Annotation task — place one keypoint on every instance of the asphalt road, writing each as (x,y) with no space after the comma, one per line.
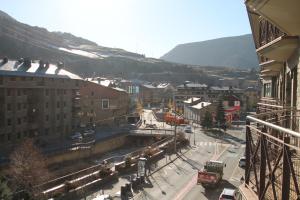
(178,179)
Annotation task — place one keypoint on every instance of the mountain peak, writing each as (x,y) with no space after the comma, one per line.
(234,51)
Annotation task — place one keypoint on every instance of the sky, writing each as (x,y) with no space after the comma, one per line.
(150,27)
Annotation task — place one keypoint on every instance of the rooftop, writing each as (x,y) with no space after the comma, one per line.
(201,105)
(191,100)
(34,68)
(192,85)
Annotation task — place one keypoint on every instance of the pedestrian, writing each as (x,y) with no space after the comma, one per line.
(144,121)
(242,179)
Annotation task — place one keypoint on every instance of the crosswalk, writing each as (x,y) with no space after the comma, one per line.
(212,144)
(219,144)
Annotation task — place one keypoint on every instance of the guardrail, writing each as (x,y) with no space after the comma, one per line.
(273,154)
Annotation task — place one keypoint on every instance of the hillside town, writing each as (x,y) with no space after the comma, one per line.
(214,120)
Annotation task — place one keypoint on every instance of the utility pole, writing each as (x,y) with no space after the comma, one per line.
(175,133)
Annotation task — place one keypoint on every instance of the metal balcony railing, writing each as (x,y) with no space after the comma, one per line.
(268,32)
(273,152)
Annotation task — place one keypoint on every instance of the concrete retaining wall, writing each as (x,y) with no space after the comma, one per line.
(99,148)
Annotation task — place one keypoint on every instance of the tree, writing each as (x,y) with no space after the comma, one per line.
(5,192)
(207,121)
(139,107)
(28,168)
(220,117)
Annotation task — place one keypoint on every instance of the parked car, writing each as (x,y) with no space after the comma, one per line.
(76,136)
(88,133)
(242,161)
(228,194)
(188,129)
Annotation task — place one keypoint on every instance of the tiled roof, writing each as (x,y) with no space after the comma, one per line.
(16,68)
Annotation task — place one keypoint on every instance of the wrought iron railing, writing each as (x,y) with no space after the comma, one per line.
(268,32)
(273,153)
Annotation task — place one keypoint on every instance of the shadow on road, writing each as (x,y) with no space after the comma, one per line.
(194,164)
(224,136)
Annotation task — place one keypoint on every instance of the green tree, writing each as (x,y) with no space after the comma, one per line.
(5,192)
(207,121)
(220,117)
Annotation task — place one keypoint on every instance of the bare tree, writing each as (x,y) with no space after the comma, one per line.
(28,168)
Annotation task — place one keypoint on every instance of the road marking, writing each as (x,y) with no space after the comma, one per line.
(182,193)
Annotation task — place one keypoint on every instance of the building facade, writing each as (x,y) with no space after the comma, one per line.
(38,100)
(272,135)
(102,105)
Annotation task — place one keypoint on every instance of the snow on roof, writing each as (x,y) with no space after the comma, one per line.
(192,85)
(149,86)
(191,100)
(201,105)
(79,52)
(162,85)
(16,68)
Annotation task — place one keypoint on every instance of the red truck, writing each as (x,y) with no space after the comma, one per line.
(211,174)
(172,119)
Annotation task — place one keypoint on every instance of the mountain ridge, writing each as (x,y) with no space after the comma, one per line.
(233,51)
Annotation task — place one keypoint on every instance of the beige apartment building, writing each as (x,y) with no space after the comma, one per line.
(37,99)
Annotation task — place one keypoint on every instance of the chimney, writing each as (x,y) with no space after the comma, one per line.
(27,62)
(41,64)
(4,60)
(202,104)
(47,64)
(60,65)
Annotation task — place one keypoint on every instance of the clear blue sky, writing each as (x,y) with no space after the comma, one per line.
(151,27)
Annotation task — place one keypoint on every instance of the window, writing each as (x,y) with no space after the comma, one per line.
(19,92)
(65,116)
(57,104)
(8,122)
(23,78)
(24,91)
(8,92)
(12,78)
(92,102)
(65,104)
(18,135)
(19,121)
(267,90)
(105,104)
(57,117)
(47,131)
(47,117)
(47,105)
(65,92)
(92,93)
(24,105)
(47,92)
(24,119)
(19,106)
(8,107)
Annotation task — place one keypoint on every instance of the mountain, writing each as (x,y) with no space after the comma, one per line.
(87,59)
(79,55)
(237,51)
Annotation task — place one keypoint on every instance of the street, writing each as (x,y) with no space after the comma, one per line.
(178,179)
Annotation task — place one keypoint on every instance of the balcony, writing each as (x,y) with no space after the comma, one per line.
(279,49)
(273,151)
(271,65)
(284,14)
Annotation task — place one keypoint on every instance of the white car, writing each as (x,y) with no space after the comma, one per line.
(242,161)
(188,129)
(76,136)
(228,194)
(88,132)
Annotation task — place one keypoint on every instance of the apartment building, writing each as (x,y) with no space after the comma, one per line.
(102,105)
(159,95)
(204,93)
(37,99)
(272,135)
